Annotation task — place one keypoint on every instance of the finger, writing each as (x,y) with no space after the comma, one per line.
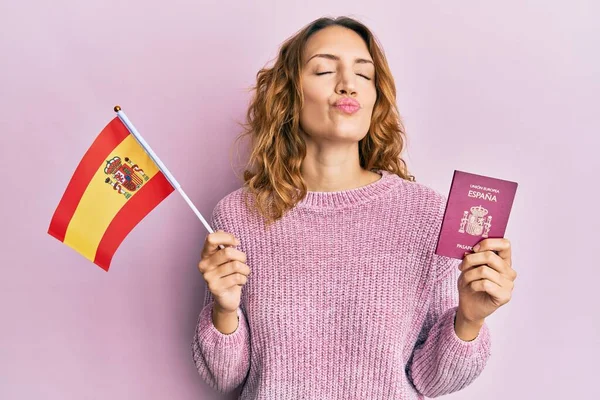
(213,240)
(501,295)
(224,270)
(230,281)
(221,257)
(481,272)
(226,255)
(488,258)
(501,246)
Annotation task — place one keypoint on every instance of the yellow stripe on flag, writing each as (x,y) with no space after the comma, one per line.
(101,202)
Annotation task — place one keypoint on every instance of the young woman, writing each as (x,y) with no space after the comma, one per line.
(346,299)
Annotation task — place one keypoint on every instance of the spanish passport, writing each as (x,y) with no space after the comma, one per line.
(477,208)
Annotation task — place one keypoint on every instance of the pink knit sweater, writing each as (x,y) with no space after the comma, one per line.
(346,300)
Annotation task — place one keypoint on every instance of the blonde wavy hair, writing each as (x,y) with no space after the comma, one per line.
(272,173)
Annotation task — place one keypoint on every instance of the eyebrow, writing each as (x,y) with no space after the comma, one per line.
(336,58)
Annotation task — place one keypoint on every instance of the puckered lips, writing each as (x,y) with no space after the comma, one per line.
(347,105)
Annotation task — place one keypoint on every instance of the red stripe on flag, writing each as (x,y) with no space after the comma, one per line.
(150,195)
(110,137)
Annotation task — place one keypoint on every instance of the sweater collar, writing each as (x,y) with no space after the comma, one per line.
(350,197)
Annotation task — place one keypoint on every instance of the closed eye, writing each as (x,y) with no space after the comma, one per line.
(331,72)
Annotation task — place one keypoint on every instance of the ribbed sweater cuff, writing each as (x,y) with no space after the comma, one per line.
(447,363)
(222,360)
(479,346)
(208,333)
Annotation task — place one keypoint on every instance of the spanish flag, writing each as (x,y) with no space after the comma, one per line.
(115,185)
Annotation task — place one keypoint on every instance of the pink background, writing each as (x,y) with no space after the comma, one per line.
(506,89)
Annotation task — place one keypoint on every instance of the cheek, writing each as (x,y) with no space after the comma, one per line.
(316,105)
(314,96)
(371,95)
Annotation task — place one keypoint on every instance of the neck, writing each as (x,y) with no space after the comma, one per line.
(332,179)
(340,170)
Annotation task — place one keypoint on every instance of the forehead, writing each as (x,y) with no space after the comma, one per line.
(336,40)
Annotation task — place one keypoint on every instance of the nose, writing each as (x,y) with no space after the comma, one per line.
(346,84)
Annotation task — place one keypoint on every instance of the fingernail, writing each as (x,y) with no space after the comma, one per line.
(476,248)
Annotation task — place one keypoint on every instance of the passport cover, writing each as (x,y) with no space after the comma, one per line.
(477,208)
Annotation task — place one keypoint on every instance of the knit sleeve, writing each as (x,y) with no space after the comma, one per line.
(222,360)
(441,362)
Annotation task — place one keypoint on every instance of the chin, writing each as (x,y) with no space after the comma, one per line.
(350,132)
(349,136)
(342,133)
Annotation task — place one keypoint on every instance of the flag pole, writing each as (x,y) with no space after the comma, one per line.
(160,165)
